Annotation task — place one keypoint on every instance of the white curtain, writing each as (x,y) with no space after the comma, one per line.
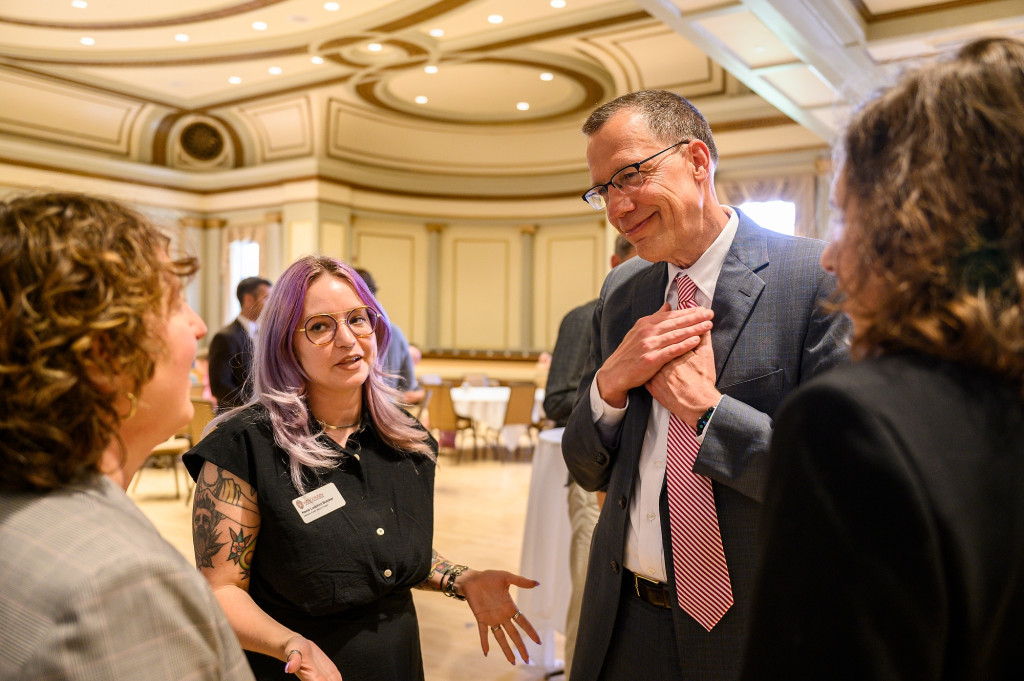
(246,231)
(799,189)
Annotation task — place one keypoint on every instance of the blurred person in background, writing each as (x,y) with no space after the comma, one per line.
(96,347)
(230,352)
(399,362)
(894,521)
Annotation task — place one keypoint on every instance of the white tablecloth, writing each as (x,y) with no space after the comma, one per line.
(546,548)
(486,405)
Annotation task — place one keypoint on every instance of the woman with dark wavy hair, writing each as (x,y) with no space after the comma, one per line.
(96,349)
(893,534)
(333,482)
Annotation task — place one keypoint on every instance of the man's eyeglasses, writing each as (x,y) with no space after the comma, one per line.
(626,180)
(321,328)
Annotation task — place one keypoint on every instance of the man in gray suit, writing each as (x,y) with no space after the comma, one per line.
(721,368)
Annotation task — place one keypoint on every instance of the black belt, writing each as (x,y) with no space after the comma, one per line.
(648,590)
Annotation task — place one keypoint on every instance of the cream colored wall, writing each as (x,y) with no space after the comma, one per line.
(480,287)
(569,272)
(395,253)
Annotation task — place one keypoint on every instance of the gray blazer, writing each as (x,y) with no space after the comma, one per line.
(90,591)
(770,335)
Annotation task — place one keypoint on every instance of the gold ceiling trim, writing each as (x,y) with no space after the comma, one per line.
(435,10)
(221,13)
(870,18)
(592,89)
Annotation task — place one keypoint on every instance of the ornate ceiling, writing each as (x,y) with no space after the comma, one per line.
(445,98)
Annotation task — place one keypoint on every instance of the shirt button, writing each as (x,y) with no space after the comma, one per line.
(387,573)
(658,463)
(650,516)
(380,531)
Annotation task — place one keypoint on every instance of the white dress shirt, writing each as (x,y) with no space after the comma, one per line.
(645,553)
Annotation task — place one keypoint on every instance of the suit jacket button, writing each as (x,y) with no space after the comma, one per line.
(622,501)
(615,567)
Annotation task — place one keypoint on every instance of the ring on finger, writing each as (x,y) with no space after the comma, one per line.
(496,628)
(516,616)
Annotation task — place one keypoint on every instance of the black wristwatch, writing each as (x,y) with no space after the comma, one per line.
(702,422)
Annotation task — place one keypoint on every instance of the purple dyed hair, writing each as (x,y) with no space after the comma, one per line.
(280,383)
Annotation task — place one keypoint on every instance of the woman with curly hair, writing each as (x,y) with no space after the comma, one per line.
(96,347)
(893,534)
(313,513)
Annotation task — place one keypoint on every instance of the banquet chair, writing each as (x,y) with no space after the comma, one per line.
(168,454)
(202,415)
(477,379)
(519,412)
(418,409)
(447,424)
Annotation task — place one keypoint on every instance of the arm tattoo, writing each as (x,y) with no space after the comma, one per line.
(209,518)
(438,564)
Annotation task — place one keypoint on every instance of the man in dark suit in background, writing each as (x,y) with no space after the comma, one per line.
(231,349)
(751,329)
(567,364)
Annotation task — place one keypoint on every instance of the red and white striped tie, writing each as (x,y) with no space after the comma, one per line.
(702,576)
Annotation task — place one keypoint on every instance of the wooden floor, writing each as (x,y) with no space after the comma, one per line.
(479,512)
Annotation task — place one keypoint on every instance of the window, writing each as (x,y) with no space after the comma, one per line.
(244,259)
(779,216)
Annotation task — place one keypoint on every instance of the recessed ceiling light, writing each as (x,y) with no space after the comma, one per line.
(421,99)
(181,37)
(234,80)
(547,76)
(274,70)
(495,18)
(558,4)
(259,25)
(317,60)
(375,47)
(88,41)
(79,4)
(523,106)
(436,32)
(430,68)
(332,6)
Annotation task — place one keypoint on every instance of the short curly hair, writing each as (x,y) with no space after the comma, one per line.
(81,281)
(932,173)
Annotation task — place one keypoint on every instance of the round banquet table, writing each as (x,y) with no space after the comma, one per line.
(546,539)
(486,405)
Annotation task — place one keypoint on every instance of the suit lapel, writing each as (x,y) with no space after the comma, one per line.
(738,288)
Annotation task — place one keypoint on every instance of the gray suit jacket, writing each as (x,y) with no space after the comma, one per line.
(568,362)
(769,336)
(91,591)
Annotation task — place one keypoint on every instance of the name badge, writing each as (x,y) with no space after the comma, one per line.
(318,503)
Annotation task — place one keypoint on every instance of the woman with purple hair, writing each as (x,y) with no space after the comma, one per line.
(332,482)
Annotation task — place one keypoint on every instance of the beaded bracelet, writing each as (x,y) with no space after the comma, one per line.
(448,587)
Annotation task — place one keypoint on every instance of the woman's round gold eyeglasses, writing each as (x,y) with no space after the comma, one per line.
(321,328)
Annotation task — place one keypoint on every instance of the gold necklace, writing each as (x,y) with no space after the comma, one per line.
(327,426)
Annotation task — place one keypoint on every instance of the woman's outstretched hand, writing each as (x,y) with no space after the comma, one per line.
(486,591)
(305,659)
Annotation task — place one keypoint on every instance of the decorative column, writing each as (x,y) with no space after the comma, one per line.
(527,234)
(822,208)
(274,246)
(434,230)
